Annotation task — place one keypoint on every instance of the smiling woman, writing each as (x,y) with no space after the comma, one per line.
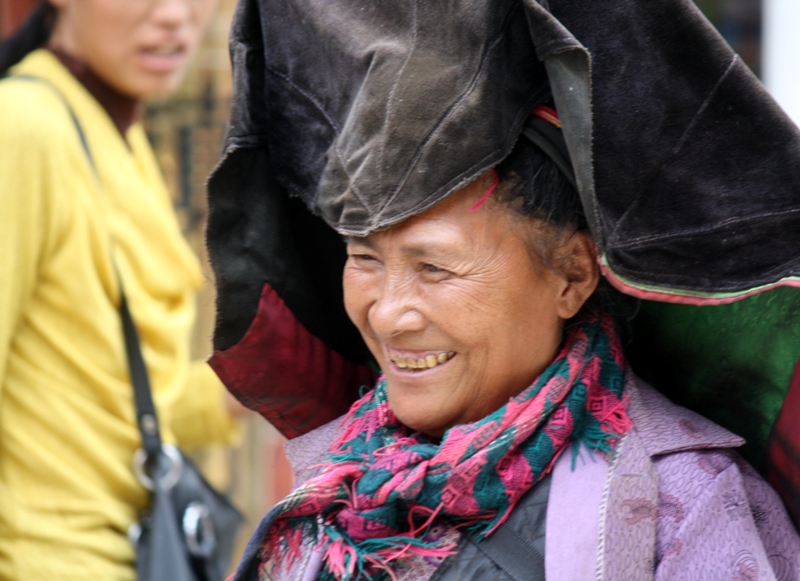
(487,161)
(468,288)
(465,308)
(501,366)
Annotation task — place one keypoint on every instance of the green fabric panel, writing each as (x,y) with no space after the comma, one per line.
(731,363)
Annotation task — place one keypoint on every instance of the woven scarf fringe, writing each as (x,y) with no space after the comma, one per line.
(602,437)
(347,560)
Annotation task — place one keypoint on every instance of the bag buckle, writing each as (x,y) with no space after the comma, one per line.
(198,529)
(168,477)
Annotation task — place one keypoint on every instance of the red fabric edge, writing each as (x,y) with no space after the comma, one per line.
(286,374)
(782,460)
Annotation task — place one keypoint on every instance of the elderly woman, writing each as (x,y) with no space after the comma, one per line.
(506,438)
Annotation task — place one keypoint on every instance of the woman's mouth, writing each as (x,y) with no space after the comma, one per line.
(429,361)
(163,57)
(166,50)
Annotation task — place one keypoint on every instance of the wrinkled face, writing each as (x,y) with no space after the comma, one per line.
(460,315)
(139,47)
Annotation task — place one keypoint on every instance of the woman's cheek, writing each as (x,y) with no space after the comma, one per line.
(460,296)
(358,286)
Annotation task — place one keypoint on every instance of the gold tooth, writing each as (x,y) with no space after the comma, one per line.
(431,361)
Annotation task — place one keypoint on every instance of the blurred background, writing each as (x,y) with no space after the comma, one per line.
(187,131)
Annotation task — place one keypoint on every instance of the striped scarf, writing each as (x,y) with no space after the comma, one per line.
(383,485)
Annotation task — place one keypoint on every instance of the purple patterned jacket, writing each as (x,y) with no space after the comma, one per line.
(676,502)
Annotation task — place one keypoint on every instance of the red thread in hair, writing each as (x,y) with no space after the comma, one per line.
(488,192)
(548,114)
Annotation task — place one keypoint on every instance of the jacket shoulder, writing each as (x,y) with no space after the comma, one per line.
(665,427)
(306,452)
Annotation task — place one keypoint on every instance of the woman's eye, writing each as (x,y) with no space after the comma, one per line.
(432,268)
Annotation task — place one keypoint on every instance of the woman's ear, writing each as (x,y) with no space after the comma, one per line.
(577,265)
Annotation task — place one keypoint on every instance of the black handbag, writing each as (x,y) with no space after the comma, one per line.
(188,532)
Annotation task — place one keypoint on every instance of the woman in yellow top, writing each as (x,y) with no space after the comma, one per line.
(67,430)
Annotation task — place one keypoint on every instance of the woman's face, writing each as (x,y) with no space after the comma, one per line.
(139,47)
(460,315)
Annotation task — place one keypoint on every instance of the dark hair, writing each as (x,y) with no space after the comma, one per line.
(534,185)
(535,188)
(32,34)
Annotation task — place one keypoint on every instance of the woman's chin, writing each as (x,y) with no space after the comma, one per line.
(419,410)
(426,400)
(141,84)
(420,422)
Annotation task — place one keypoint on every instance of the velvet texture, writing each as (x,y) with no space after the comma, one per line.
(687,170)
(695,167)
(372,113)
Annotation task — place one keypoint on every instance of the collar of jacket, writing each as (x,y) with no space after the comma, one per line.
(660,427)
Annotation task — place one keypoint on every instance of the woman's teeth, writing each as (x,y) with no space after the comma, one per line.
(168,50)
(427,362)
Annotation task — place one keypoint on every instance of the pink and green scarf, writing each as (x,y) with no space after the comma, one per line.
(384,485)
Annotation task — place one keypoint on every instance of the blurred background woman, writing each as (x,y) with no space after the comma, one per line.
(84,208)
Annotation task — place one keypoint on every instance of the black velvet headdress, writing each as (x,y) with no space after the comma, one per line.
(349,116)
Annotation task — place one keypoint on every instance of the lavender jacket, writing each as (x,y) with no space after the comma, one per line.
(675,502)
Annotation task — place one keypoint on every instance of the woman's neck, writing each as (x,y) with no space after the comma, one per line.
(123,110)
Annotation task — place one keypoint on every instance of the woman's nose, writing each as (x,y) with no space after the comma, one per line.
(397,309)
(172,13)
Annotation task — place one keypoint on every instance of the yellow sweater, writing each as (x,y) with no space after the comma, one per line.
(67,429)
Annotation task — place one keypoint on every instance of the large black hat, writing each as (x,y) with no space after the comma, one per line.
(352,115)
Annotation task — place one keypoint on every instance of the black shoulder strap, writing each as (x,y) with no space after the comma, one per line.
(518,558)
(511,547)
(146,416)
